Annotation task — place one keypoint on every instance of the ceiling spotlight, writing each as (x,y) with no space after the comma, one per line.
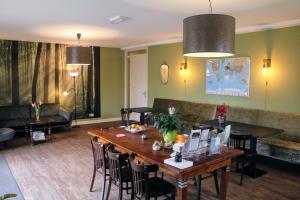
(118,19)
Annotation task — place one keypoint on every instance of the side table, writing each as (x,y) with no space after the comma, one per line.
(44,123)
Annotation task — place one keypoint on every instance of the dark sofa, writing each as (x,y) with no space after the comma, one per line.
(15,116)
(285,146)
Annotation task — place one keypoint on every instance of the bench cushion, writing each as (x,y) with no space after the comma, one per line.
(6,134)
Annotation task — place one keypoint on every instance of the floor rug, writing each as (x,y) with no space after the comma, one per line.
(8,183)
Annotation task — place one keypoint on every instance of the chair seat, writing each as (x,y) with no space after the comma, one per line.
(158,187)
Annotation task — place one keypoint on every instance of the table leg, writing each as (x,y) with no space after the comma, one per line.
(142,118)
(27,133)
(224,182)
(252,161)
(31,134)
(181,189)
(49,132)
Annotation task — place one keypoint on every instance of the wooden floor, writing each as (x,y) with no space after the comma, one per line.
(63,169)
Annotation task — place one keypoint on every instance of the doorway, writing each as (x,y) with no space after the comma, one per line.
(138,80)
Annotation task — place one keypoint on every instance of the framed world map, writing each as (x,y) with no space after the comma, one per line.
(228,76)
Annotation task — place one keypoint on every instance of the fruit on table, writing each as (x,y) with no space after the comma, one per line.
(181,138)
(136,127)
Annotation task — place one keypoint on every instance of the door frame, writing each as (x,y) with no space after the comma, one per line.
(127,54)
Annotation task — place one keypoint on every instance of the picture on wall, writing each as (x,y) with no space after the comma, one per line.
(35,71)
(228,76)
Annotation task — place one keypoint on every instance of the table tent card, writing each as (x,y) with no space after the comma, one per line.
(197,143)
(214,147)
(224,136)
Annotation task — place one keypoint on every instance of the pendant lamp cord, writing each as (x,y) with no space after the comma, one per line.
(210,7)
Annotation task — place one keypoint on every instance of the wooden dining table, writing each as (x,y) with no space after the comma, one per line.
(133,143)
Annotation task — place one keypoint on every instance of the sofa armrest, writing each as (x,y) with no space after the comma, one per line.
(67,115)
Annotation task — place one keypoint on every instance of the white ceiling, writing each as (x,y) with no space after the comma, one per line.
(150,20)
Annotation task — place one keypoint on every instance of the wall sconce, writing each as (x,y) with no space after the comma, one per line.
(266,65)
(183,69)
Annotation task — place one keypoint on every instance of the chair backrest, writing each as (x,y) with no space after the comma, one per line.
(116,161)
(140,175)
(99,154)
(125,115)
(240,141)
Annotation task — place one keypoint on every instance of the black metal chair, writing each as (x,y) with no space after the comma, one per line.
(199,179)
(100,163)
(119,171)
(144,186)
(242,142)
(125,117)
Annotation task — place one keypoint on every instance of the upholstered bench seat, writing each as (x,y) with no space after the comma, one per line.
(6,134)
(283,146)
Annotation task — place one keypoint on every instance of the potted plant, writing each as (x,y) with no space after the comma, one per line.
(168,124)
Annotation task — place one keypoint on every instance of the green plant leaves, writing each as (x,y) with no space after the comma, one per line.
(7,196)
(166,122)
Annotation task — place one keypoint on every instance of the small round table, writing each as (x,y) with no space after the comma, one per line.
(43,122)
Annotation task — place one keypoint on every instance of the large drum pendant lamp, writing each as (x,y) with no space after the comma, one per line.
(209,35)
(78,55)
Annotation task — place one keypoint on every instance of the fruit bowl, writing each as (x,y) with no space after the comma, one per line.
(135,128)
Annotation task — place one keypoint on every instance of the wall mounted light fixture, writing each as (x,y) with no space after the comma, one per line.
(183,69)
(266,67)
(184,73)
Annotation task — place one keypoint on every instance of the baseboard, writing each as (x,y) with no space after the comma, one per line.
(95,120)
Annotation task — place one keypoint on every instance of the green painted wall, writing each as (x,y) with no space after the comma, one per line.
(281,45)
(112,81)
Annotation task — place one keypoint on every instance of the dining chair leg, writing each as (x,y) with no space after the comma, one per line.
(242,170)
(162,175)
(237,163)
(215,173)
(102,194)
(132,194)
(108,189)
(173,195)
(93,179)
(120,191)
(198,182)
(127,191)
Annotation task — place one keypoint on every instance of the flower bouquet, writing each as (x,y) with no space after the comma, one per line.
(37,109)
(221,113)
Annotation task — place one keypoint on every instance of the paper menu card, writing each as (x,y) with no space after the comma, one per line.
(180,165)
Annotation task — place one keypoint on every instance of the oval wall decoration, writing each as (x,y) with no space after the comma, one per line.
(164,73)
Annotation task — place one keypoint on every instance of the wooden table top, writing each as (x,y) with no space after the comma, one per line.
(42,121)
(132,142)
(141,109)
(238,128)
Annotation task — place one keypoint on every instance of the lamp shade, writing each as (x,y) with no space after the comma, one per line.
(208,35)
(78,55)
